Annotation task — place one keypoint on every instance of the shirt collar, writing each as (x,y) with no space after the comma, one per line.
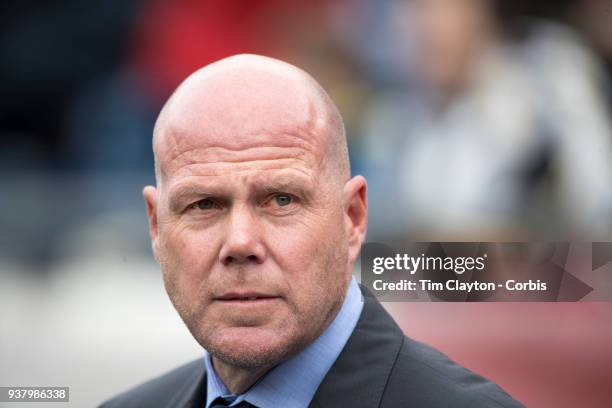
(295,381)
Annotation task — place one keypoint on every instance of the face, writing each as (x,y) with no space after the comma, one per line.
(255,239)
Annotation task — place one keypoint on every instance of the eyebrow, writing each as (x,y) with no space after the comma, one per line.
(271,186)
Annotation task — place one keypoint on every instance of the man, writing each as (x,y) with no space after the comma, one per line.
(256,224)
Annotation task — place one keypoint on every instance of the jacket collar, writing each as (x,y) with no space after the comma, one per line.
(359,375)
(193,393)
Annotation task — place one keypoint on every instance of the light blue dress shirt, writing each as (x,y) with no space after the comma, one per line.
(293,383)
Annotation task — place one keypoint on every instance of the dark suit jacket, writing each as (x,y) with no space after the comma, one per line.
(378,367)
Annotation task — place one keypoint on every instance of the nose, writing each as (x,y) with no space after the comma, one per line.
(242,243)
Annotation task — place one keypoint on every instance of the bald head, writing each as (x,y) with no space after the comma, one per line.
(249,101)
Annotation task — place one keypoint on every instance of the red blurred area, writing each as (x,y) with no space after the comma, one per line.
(543,354)
(173,39)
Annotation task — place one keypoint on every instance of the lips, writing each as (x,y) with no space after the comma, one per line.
(244,297)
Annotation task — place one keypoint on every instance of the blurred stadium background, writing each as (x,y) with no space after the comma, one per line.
(471,119)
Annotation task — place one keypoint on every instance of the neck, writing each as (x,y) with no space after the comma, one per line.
(237,379)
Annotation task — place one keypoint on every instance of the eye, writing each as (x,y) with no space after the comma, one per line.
(283,200)
(204,204)
(281,203)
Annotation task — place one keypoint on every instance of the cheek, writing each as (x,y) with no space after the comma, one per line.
(305,251)
(185,257)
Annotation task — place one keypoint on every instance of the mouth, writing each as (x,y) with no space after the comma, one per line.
(249,297)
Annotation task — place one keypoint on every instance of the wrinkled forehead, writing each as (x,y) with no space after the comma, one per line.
(237,109)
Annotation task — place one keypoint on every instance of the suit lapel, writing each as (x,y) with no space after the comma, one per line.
(193,393)
(359,375)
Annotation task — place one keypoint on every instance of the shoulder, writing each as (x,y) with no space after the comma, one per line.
(165,390)
(425,376)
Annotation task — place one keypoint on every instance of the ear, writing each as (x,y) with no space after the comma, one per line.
(355,214)
(150,196)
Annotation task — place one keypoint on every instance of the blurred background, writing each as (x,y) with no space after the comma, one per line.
(473,120)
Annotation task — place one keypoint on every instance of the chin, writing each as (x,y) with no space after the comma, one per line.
(251,347)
